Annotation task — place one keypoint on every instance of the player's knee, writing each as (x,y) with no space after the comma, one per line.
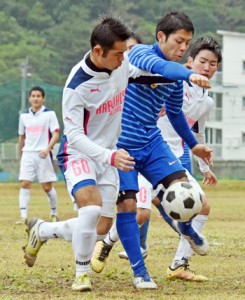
(126,201)
(205,206)
(143,215)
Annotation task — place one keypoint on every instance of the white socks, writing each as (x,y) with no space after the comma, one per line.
(84,237)
(24,199)
(112,236)
(51,230)
(52,199)
(184,249)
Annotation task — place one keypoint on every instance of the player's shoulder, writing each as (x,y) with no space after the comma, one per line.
(140,49)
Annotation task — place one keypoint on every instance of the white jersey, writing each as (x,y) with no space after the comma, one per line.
(92,108)
(196,106)
(37,128)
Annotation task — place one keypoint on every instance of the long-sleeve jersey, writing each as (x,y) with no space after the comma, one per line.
(92,107)
(37,128)
(144,102)
(196,106)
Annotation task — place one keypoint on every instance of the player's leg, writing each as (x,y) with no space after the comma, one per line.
(46,175)
(128,229)
(172,173)
(179,269)
(26,177)
(143,197)
(104,247)
(106,235)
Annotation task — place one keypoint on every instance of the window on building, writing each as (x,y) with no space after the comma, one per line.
(218,136)
(243,138)
(243,102)
(213,136)
(218,100)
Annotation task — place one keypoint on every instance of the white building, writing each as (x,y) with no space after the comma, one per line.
(225,129)
(226,125)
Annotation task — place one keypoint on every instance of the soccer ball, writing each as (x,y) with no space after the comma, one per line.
(181,201)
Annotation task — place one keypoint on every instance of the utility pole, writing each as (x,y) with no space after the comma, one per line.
(24,70)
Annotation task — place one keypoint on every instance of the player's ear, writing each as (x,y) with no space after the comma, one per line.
(189,60)
(97,50)
(161,37)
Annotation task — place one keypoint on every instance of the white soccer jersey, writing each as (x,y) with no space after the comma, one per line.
(37,128)
(196,107)
(92,108)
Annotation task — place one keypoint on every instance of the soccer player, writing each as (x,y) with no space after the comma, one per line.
(142,138)
(38,133)
(92,108)
(204,58)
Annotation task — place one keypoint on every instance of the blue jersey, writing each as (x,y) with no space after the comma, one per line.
(144,102)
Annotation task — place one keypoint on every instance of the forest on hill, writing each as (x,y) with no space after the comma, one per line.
(51,36)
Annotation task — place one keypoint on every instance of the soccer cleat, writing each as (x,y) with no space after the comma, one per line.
(101,252)
(22,221)
(124,255)
(82,283)
(54,218)
(183,272)
(144,281)
(33,241)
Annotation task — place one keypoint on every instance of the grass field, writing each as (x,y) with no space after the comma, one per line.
(53,273)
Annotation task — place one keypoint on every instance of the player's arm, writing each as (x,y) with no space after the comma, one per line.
(74,118)
(176,117)
(146,59)
(22,136)
(21,144)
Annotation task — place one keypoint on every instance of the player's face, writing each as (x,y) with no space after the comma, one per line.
(112,59)
(176,45)
(130,43)
(36,99)
(205,63)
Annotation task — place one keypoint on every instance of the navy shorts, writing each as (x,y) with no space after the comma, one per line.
(155,162)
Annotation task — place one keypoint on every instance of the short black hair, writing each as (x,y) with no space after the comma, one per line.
(174,21)
(109,31)
(206,43)
(136,37)
(37,88)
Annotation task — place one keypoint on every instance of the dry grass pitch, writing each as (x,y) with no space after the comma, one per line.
(53,273)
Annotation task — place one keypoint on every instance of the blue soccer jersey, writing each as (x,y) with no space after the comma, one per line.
(144,102)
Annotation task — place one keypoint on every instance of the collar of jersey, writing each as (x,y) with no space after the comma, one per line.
(158,51)
(37,112)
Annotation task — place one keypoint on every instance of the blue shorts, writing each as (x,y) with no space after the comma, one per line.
(154,162)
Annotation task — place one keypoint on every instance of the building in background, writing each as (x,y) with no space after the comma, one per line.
(225,129)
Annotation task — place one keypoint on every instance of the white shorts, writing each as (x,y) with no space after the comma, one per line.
(146,193)
(32,165)
(105,176)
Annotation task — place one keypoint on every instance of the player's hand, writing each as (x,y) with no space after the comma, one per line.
(123,160)
(209,178)
(204,153)
(200,80)
(43,153)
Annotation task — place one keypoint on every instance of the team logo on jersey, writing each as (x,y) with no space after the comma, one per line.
(154,86)
(95,90)
(113,105)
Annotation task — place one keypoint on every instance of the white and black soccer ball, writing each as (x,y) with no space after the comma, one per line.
(181,201)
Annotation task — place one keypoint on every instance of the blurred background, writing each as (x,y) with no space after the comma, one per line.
(42,40)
